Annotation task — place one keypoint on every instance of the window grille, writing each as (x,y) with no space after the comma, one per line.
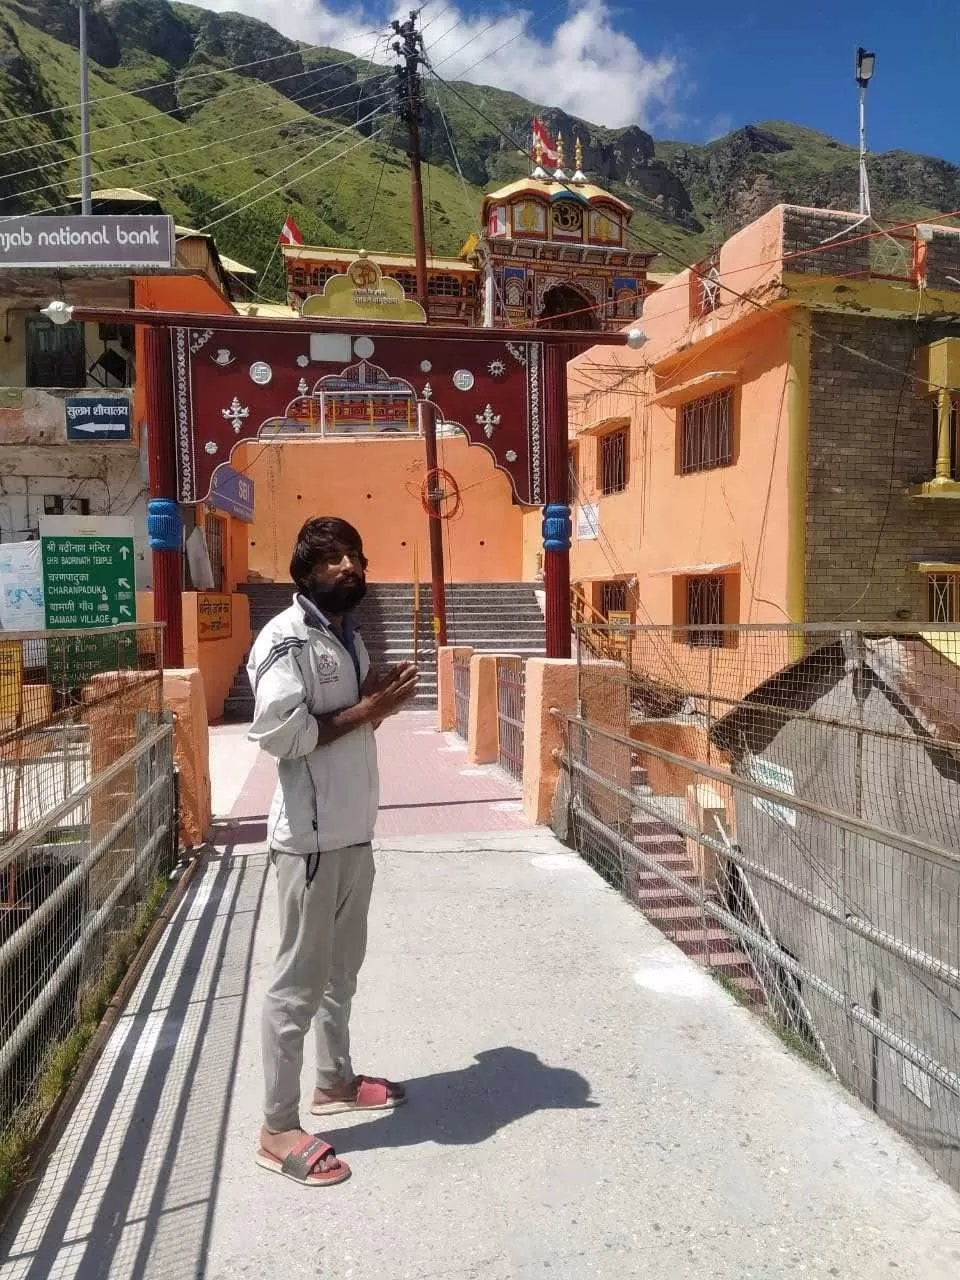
(705,609)
(408,280)
(942,597)
(706,278)
(55,354)
(614,461)
(320,275)
(706,432)
(613,598)
(213,531)
(443,286)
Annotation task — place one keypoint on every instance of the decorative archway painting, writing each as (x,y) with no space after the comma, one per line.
(235,385)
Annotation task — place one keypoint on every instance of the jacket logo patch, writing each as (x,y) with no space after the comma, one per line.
(328,668)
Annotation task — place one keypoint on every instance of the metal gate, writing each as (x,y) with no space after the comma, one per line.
(511,685)
(461,692)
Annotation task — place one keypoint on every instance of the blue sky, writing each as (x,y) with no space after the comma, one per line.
(752,60)
(690,69)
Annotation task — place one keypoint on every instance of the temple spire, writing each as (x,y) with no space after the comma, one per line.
(560,175)
(579,175)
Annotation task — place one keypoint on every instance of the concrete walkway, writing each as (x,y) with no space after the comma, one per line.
(584,1102)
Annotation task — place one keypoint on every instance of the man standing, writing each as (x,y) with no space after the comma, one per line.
(317,706)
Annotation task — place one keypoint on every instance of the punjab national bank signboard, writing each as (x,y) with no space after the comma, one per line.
(130,240)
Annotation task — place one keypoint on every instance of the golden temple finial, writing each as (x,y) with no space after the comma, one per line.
(559,150)
(578,154)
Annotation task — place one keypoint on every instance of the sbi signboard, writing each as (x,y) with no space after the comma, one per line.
(231,491)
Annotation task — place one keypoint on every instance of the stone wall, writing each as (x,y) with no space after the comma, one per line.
(871,435)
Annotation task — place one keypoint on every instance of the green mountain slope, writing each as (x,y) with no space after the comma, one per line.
(233,127)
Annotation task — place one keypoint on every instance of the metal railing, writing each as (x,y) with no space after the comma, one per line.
(87,801)
(786,807)
(511,688)
(461,692)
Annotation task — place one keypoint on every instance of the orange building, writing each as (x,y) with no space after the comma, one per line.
(783,447)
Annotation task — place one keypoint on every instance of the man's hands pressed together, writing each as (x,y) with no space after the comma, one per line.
(382,695)
(387,693)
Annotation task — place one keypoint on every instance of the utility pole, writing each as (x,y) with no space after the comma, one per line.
(86,200)
(409,50)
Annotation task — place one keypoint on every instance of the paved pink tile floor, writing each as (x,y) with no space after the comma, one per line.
(426,785)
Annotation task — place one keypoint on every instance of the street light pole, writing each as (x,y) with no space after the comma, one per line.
(865,65)
(86,199)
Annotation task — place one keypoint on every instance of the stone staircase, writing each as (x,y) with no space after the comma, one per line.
(674,914)
(490,617)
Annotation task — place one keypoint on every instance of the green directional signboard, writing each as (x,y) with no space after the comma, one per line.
(88,584)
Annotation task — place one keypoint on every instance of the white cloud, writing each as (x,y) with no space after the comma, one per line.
(585,65)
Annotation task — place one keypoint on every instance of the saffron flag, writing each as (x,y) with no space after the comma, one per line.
(548,148)
(291,233)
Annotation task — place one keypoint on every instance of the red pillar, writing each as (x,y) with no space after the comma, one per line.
(556,513)
(162,455)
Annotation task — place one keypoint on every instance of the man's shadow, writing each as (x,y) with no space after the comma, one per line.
(460,1108)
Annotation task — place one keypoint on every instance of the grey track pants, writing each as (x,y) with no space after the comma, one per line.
(323,940)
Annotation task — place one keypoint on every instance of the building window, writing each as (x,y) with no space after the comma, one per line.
(55,354)
(613,598)
(213,531)
(706,432)
(299,278)
(614,461)
(444,286)
(58,504)
(705,608)
(320,275)
(942,592)
(407,280)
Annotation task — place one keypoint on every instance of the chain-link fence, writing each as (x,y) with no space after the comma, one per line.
(87,803)
(784,803)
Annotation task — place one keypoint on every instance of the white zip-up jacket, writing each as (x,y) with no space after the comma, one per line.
(327,797)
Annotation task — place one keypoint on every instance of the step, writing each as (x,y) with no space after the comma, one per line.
(731,963)
(696,941)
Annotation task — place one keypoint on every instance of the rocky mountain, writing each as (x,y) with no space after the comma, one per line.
(233,126)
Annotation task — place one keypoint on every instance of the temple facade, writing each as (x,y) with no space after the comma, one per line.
(553,252)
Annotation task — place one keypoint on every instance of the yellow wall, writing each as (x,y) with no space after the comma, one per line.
(376,484)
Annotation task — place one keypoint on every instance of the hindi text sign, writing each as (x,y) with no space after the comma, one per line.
(89,583)
(98,418)
(214,616)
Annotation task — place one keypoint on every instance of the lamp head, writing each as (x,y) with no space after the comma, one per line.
(636,338)
(865,65)
(58,311)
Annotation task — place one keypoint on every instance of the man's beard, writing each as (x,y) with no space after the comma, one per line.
(339,598)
